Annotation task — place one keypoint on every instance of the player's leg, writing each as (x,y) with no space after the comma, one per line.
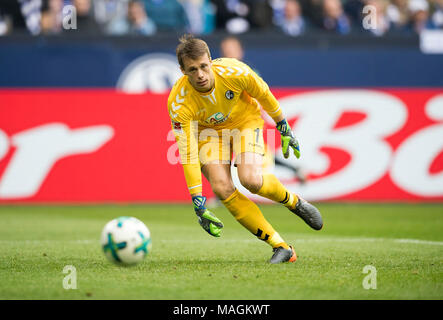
(219,177)
(251,176)
(215,156)
(282,251)
(244,210)
(250,150)
(268,186)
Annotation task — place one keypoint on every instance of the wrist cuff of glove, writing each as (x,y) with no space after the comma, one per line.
(199,203)
(283,126)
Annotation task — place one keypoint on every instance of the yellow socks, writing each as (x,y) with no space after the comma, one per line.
(249,215)
(274,190)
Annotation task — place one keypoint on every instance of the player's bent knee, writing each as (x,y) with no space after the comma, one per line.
(223,189)
(251,182)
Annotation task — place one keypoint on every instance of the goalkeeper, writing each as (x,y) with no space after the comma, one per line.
(214,113)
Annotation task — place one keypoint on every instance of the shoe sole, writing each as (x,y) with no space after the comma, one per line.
(293,258)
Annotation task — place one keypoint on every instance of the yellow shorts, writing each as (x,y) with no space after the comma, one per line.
(218,146)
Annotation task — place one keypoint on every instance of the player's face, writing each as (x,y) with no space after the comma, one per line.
(199,73)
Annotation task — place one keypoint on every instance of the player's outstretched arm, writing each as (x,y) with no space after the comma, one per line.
(209,222)
(288,139)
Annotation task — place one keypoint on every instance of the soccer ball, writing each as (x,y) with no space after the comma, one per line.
(126,240)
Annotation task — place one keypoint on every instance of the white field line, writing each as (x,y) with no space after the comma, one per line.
(322,239)
(296,240)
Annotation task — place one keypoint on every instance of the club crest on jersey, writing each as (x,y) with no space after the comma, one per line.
(229,95)
(217,118)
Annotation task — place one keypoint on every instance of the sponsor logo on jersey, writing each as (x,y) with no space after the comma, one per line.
(217,118)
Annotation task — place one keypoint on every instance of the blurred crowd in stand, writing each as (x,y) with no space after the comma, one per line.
(201,17)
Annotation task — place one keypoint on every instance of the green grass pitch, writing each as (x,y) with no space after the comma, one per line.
(404,242)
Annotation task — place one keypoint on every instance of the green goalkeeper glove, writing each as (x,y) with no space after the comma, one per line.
(288,139)
(209,222)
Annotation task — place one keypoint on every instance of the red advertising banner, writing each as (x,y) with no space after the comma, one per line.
(92,146)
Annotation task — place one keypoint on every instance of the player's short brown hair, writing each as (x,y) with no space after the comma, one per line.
(192,48)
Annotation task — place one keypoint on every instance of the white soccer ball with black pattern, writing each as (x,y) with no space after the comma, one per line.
(126,240)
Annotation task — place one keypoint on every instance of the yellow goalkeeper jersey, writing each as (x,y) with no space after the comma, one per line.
(236,95)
